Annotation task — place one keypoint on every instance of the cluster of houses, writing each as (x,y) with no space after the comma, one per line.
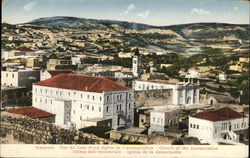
(122,99)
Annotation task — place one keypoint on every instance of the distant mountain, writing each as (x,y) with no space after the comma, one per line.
(64,20)
(193,30)
(74,22)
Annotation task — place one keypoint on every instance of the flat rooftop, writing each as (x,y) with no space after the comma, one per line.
(165,82)
(96,119)
(10,88)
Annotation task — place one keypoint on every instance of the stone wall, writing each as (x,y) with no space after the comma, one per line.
(154,97)
(31,131)
(141,138)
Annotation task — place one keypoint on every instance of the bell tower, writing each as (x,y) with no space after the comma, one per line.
(137,63)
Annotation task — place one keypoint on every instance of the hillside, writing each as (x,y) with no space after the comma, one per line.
(112,37)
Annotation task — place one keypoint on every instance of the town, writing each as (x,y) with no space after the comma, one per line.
(103,83)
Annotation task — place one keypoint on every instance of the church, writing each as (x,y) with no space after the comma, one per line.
(184,93)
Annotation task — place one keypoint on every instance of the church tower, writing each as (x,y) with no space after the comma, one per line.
(137,63)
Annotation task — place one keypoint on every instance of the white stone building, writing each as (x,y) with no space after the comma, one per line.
(164,120)
(76,98)
(217,125)
(137,63)
(222,76)
(193,72)
(20,77)
(183,93)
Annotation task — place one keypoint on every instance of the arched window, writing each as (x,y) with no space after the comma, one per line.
(129,118)
(118,121)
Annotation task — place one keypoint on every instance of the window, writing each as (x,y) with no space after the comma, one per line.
(107,109)
(158,120)
(87,107)
(100,98)
(74,111)
(153,119)
(120,107)
(40,90)
(74,93)
(35,90)
(191,125)
(6,75)
(93,97)
(107,98)
(129,96)
(197,126)
(56,92)
(81,95)
(129,118)
(142,120)
(161,121)
(46,91)
(45,100)
(117,107)
(129,105)
(93,108)
(13,76)
(88,96)
(194,125)
(69,93)
(51,101)
(80,117)
(100,109)
(40,99)
(81,106)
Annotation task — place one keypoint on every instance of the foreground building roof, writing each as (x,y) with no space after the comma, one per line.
(82,83)
(31,112)
(219,115)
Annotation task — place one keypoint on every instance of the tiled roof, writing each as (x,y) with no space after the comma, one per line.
(23,48)
(82,83)
(194,68)
(31,112)
(54,73)
(219,115)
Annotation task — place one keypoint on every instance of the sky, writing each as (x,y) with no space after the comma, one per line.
(153,12)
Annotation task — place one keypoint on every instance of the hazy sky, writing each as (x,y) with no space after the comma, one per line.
(154,12)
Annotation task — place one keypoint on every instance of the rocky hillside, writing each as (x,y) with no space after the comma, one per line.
(111,37)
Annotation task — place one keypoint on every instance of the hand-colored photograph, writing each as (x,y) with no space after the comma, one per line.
(121,73)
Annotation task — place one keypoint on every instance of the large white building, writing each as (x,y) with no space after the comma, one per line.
(20,77)
(184,93)
(77,98)
(216,125)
